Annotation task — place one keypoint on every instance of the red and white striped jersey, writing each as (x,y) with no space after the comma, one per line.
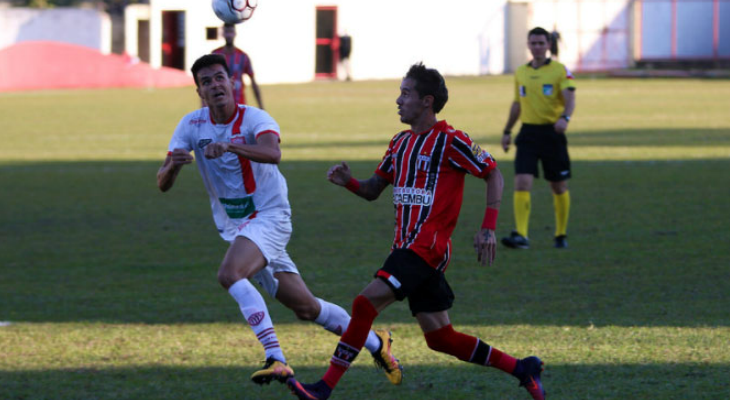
(427,173)
(237,186)
(239,63)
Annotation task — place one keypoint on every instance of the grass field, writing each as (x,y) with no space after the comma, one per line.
(109,286)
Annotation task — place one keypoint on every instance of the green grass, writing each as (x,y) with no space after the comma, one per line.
(110,286)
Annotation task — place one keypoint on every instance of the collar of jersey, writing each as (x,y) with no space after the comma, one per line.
(438,126)
(547,62)
(235,114)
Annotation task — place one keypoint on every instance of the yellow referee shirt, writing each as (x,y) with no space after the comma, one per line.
(540,91)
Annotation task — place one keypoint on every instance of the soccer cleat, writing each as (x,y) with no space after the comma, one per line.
(516,241)
(530,378)
(561,242)
(315,391)
(273,369)
(384,358)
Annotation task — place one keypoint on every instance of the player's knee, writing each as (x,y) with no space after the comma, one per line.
(226,278)
(306,312)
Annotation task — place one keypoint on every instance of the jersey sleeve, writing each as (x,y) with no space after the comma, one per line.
(385,168)
(566,80)
(181,136)
(464,154)
(261,122)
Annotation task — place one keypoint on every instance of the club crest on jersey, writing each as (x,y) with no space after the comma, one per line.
(423,163)
(239,139)
(547,89)
(204,142)
(412,196)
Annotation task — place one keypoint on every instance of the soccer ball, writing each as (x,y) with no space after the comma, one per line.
(234,11)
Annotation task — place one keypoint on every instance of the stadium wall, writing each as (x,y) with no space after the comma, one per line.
(82,27)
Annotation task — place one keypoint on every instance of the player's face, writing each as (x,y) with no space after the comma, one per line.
(215,87)
(229,33)
(538,45)
(410,105)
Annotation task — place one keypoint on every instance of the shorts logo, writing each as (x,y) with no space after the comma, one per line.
(256,318)
(547,90)
(523,91)
(204,142)
(394,281)
(412,196)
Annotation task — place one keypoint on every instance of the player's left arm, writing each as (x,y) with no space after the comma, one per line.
(266,149)
(256,92)
(485,241)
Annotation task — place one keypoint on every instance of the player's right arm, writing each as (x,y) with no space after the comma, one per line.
(369,189)
(174,162)
(514,115)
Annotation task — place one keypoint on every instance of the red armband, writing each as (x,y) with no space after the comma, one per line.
(353,185)
(490,218)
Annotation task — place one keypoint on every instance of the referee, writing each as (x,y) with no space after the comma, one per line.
(544,101)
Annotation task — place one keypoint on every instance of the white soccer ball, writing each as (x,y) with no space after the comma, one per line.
(234,11)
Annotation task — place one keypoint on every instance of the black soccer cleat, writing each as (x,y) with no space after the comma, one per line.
(303,391)
(516,241)
(561,242)
(530,378)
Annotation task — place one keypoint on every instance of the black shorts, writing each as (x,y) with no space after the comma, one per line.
(541,142)
(410,276)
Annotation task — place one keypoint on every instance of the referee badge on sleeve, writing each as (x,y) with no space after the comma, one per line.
(523,91)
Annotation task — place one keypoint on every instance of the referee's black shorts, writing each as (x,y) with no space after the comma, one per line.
(541,142)
(410,276)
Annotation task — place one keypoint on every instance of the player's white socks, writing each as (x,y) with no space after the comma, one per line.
(254,310)
(335,319)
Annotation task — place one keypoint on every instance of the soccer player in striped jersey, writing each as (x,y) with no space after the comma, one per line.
(239,64)
(237,151)
(426,165)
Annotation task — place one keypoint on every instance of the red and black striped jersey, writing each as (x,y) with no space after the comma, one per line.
(427,173)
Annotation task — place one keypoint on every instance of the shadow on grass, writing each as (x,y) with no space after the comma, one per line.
(98,242)
(655,381)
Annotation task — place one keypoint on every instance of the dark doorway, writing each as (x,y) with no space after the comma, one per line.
(327,43)
(143,40)
(173,39)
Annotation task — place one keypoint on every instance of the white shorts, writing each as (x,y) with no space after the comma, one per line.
(271,235)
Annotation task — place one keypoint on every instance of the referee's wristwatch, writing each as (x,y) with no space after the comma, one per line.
(566,117)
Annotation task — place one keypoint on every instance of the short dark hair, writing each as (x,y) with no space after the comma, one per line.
(539,31)
(429,82)
(207,61)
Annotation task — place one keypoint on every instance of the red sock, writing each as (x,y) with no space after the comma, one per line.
(447,340)
(469,348)
(352,341)
(502,361)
